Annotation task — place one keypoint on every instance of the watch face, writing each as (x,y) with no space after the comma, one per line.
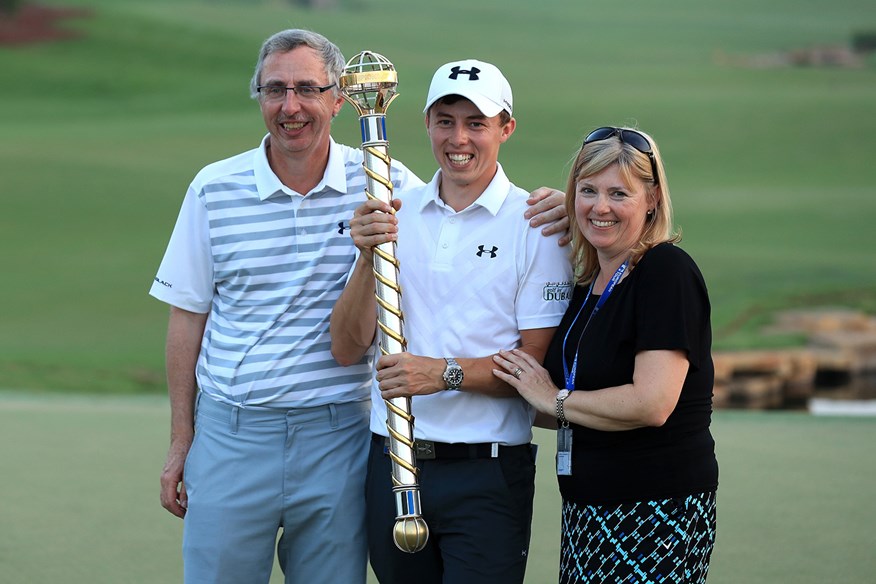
(453,375)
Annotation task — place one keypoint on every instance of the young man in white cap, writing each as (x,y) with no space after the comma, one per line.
(475,279)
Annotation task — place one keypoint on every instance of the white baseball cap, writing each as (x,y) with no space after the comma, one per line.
(481,83)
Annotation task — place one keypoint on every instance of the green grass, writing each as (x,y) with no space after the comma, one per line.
(770,169)
(772,179)
(79,483)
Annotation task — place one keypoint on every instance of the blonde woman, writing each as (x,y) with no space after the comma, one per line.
(627,380)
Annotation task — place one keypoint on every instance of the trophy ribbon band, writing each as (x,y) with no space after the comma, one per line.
(369,84)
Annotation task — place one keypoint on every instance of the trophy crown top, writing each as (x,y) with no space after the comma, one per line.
(369,82)
(368,61)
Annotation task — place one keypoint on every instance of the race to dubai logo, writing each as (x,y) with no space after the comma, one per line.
(557,291)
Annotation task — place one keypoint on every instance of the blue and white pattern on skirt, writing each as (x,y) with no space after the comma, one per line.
(667,540)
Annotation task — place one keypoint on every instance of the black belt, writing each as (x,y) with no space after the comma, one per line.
(430,450)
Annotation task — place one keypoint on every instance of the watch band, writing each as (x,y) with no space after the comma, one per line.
(561,414)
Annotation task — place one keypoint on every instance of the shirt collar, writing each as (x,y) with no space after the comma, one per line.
(491,199)
(269,185)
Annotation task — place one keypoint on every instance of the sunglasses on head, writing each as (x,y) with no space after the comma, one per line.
(635,139)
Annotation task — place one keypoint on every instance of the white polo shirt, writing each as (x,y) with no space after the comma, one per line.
(471,281)
(268,264)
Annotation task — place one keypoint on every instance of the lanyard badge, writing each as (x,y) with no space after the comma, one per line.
(564,437)
(564,451)
(564,432)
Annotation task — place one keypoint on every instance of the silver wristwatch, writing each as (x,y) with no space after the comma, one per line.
(453,374)
(561,414)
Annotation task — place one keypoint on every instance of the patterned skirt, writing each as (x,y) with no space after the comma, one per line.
(667,540)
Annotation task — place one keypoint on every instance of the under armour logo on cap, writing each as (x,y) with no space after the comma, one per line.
(479,82)
(472,73)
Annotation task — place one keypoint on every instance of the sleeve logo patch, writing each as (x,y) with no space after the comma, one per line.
(557,291)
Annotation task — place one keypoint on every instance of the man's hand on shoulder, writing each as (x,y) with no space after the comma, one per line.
(548,208)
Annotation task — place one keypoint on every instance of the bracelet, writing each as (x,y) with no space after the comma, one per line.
(561,414)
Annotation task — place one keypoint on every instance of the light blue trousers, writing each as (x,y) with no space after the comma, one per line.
(253,473)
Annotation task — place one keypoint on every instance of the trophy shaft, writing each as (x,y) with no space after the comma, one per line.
(373,128)
(369,85)
(377,172)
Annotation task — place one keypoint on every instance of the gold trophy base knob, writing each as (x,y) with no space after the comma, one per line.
(410,534)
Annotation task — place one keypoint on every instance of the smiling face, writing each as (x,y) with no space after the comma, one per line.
(611,213)
(465,144)
(299,128)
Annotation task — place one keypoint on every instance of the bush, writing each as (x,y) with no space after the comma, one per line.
(9,7)
(864,41)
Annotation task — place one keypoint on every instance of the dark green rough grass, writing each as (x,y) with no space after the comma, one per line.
(770,169)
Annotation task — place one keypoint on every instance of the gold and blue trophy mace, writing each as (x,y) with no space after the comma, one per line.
(369,84)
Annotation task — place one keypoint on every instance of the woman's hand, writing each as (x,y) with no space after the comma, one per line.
(532,381)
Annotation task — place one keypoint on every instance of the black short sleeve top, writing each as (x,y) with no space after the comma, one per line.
(662,304)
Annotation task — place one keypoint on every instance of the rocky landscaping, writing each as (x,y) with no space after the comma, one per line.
(839,362)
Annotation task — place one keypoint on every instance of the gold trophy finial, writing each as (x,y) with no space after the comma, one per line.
(369,84)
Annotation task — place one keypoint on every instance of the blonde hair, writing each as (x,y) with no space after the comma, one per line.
(594,157)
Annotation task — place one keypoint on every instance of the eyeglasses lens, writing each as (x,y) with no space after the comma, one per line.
(307,92)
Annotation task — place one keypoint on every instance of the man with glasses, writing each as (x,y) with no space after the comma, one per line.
(260,252)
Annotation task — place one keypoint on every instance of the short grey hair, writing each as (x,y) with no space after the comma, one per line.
(287,40)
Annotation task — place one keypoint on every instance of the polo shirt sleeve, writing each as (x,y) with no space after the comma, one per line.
(185,277)
(545,287)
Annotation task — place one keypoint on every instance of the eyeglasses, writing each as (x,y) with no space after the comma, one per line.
(635,139)
(278,92)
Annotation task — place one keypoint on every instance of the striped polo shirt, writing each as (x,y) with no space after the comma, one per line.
(268,264)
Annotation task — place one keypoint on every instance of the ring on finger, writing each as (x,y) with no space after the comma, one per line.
(517,372)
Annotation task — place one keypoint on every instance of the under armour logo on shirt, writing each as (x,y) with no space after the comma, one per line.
(482,251)
(342,226)
(472,73)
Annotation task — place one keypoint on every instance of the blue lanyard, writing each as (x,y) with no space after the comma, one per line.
(570,375)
